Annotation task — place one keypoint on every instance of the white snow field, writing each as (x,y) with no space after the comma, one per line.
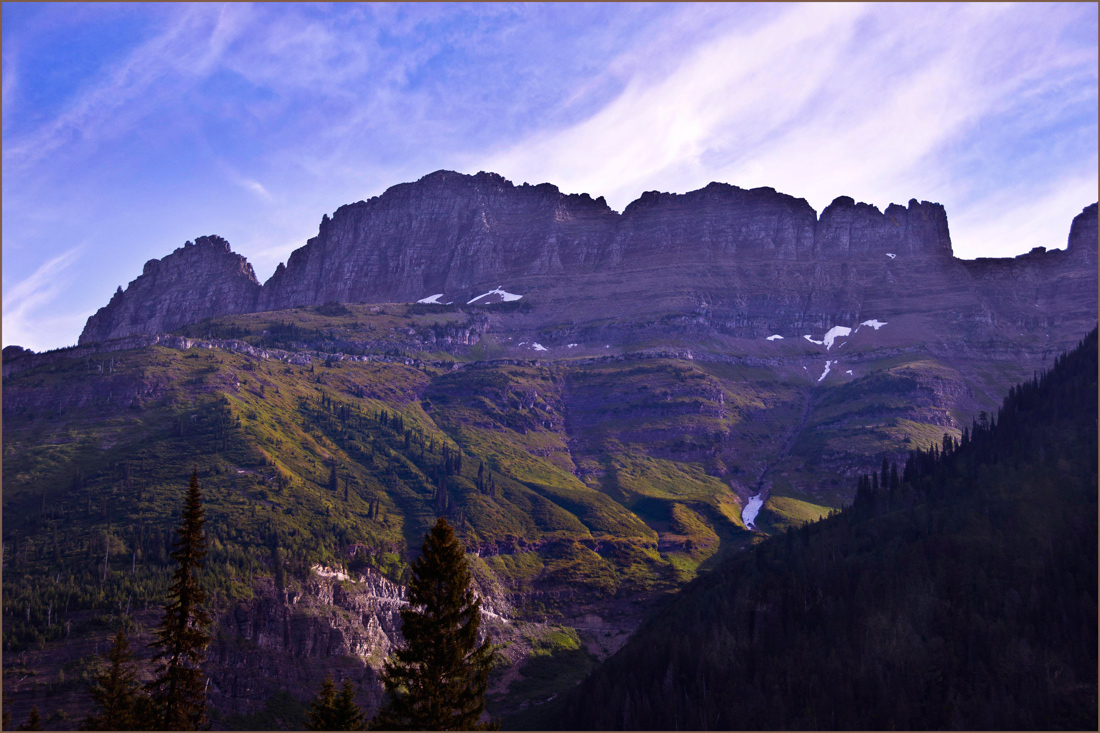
(431,299)
(774,337)
(538,347)
(505,297)
(824,373)
(891,255)
(830,336)
(873,323)
(748,514)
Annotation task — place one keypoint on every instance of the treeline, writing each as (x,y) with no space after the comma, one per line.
(959,592)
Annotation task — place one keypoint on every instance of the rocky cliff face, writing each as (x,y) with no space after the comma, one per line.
(848,230)
(198,280)
(1082,236)
(291,637)
(443,234)
(1043,290)
(749,261)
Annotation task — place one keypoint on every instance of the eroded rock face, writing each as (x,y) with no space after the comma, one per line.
(742,261)
(717,224)
(199,280)
(1044,291)
(289,639)
(1083,236)
(849,230)
(445,233)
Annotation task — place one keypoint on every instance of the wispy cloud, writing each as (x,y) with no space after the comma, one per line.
(251,120)
(9,81)
(825,100)
(189,45)
(27,317)
(1019,220)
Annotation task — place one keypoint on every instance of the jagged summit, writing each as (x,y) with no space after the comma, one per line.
(761,257)
(199,280)
(1082,236)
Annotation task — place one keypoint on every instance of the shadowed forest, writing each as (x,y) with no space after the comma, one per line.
(960,594)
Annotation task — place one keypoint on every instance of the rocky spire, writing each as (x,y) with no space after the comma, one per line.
(1082,236)
(199,280)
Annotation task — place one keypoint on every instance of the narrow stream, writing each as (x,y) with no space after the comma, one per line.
(756,502)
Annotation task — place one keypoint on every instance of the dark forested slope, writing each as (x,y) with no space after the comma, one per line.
(961,593)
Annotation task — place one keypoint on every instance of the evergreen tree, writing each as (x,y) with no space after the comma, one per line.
(116,691)
(321,707)
(438,680)
(348,716)
(332,711)
(34,722)
(179,689)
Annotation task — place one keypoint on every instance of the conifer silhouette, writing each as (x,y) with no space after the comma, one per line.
(179,688)
(438,680)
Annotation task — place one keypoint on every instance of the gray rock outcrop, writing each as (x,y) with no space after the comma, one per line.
(199,280)
(745,261)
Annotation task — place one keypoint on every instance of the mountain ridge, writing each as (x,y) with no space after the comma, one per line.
(459,235)
(594,436)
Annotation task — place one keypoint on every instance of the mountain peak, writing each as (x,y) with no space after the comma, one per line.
(199,280)
(459,234)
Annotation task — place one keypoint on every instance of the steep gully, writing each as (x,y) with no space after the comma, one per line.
(756,501)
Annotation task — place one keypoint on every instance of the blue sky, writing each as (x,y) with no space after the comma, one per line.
(129,129)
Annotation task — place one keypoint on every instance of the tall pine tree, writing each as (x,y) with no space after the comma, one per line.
(179,689)
(438,680)
(332,711)
(116,692)
(34,721)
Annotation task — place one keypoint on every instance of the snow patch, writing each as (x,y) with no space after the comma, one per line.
(570,346)
(875,324)
(748,514)
(505,297)
(891,255)
(773,337)
(848,372)
(431,299)
(538,347)
(830,336)
(824,373)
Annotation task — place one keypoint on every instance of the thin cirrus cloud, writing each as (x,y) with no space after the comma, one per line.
(252,120)
(120,100)
(875,101)
(42,287)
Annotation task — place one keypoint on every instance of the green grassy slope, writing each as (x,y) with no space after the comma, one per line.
(580,482)
(963,598)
